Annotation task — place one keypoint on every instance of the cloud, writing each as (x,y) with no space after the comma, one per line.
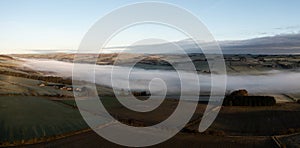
(288,27)
(271,82)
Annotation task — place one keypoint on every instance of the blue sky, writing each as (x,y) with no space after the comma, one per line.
(61,24)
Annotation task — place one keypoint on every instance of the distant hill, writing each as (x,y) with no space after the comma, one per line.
(5,57)
(285,44)
(279,44)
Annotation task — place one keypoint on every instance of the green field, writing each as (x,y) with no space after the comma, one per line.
(107,101)
(25,118)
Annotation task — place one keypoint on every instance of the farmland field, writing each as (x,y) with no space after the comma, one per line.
(25,118)
(11,85)
(107,101)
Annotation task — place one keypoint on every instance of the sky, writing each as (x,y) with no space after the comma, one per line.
(61,24)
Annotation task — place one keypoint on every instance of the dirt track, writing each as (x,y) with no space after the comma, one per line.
(91,139)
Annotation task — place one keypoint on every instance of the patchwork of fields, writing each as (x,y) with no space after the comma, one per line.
(31,113)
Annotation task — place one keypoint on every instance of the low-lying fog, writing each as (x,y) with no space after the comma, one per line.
(272,82)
